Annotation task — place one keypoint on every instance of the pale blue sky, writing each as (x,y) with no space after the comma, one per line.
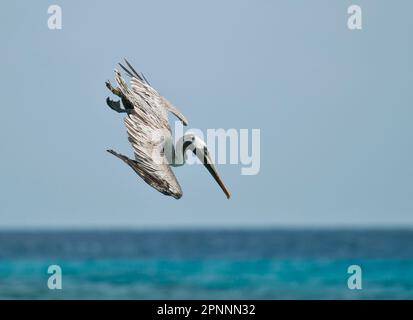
(334,108)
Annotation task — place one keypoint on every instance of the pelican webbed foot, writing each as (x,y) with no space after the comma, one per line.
(115,105)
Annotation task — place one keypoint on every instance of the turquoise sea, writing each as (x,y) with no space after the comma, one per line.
(199,264)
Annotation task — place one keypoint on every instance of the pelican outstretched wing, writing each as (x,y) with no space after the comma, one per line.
(148,130)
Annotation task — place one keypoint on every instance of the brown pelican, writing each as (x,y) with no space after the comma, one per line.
(151,136)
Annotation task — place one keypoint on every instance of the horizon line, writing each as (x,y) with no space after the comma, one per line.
(177,228)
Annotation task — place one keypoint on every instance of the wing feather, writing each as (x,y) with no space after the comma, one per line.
(151,162)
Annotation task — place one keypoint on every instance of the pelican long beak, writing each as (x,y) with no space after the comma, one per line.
(207,161)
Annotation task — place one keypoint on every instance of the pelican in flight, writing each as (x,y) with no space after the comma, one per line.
(151,136)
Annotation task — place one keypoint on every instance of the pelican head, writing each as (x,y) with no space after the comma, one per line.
(199,148)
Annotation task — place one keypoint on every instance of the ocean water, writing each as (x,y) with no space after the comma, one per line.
(266,264)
